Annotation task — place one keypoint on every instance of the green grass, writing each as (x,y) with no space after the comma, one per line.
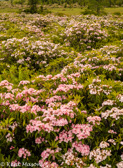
(112,10)
(67,11)
(8,10)
(77,11)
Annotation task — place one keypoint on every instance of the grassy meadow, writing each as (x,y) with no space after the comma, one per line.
(77,11)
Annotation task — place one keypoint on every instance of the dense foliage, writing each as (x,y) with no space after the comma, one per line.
(80,2)
(61,91)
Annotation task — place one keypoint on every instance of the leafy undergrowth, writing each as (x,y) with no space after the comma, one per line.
(61,91)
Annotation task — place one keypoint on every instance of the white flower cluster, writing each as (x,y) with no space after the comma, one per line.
(120,164)
(71,159)
(92,166)
(108,103)
(96,88)
(113,113)
(104,144)
(112,141)
(120,97)
(99,154)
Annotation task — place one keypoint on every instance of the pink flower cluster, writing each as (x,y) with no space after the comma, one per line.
(60,122)
(65,136)
(23,153)
(12,147)
(82,131)
(5,83)
(24,82)
(39,140)
(66,88)
(14,107)
(45,154)
(15,163)
(65,109)
(94,120)
(54,99)
(82,148)
(36,125)
(35,109)
(9,96)
(28,92)
(26,108)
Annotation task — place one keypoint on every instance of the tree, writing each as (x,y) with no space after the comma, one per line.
(96,6)
(33,5)
(83,2)
(119,2)
(11,2)
(22,2)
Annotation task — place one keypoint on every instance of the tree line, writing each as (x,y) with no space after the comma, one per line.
(107,3)
(83,2)
(92,5)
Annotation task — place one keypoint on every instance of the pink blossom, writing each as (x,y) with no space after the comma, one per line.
(24,82)
(39,140)
(112,131)
(104,144)
(94,120)
(23,153)
(12,147)
(15,163)
(82,131)
(5,83)
(9,96)
(35,109)
(82,148)
(14,107)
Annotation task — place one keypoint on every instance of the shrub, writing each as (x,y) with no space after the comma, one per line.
(117,13)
